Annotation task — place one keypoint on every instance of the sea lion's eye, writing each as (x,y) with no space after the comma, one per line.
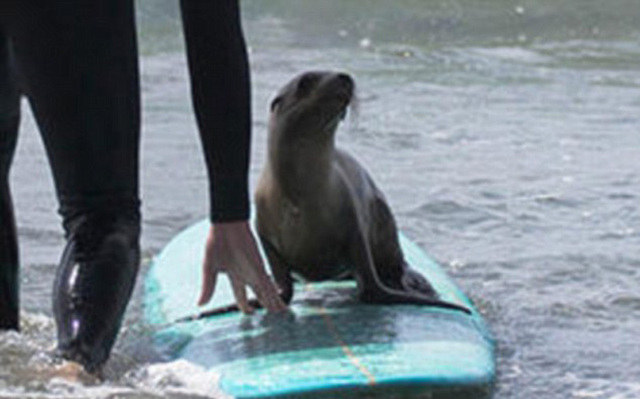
(276,101)
(306,83)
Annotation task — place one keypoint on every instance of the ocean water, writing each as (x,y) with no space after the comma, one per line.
(505,134)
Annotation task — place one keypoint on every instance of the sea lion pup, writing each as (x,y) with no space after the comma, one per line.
(319,214)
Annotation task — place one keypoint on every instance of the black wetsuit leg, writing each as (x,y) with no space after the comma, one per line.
(79,69)
(9,121)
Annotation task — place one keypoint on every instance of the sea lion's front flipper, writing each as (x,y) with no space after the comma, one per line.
(280,269)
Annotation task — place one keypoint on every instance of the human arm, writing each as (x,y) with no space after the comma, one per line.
(220,90)
(220,85)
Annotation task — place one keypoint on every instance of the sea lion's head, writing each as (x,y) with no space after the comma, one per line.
(311,105)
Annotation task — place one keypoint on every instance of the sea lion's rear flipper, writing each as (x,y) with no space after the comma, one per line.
(387,253)
(414,281)
(373,290)
(370,286)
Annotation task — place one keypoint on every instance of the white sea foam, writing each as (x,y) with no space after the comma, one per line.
(179,377)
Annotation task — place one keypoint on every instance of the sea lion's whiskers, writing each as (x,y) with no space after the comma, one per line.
(353,110)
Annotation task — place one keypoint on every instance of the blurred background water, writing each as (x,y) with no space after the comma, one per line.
(505,134)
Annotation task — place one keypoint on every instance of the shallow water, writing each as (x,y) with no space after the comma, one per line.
(504,134)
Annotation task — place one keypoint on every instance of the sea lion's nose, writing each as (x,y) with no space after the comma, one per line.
(346,81)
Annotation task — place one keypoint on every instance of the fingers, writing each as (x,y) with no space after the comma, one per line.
(259,282)
(231,248)
(240,292)
(268,295)
(209,280)
(263,286)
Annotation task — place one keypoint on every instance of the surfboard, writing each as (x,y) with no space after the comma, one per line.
(330,345)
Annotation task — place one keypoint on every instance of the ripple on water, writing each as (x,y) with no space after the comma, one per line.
(454,213)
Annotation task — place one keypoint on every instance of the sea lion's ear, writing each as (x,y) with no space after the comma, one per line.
(276,101)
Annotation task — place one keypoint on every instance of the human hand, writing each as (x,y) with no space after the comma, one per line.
(231,248)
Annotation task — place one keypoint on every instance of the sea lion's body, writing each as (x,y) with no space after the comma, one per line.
(319,213)
(314,228)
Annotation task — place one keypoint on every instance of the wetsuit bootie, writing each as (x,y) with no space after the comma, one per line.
(93,285)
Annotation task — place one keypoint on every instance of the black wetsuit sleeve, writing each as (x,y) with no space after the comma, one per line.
(220,90)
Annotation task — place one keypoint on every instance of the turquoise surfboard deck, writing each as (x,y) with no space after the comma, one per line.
(331,346)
